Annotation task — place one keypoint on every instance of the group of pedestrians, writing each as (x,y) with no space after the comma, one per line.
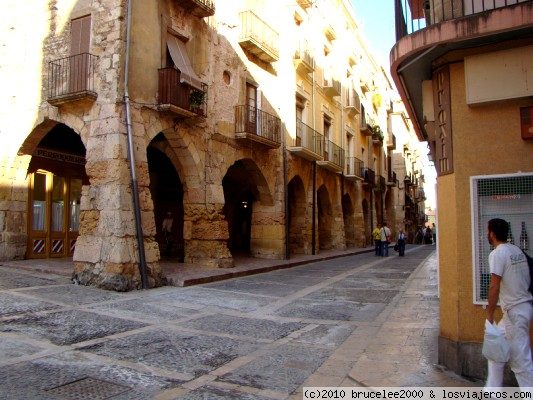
(382,238)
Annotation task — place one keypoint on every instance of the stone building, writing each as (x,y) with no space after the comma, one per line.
(464,72)
(208,129)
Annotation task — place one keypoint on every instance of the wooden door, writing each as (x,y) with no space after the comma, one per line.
(251,108)
(79,65)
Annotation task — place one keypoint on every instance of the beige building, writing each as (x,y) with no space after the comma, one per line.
(465,76)
(208,129)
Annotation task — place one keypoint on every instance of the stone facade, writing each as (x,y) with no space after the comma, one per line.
(232,191)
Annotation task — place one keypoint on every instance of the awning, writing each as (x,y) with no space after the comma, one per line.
(179,56)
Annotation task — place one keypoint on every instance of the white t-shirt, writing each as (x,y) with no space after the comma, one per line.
(508,261)
(385,231)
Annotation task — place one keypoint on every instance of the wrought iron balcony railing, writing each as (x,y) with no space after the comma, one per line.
(331,87)
(334,153)
(355,167)
(258,37)
(353,102)
(251,120)
(199,8)
(180,97)
(413,15)
(309,138)
(369,177)
(71,78)
(391,142)
(303,58)
(391,178)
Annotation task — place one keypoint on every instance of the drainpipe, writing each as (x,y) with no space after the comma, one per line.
(313,221)
(131,157)
(286,197)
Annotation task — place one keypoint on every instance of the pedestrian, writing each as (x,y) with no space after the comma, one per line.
(166,228)
(401,243)
(376,235)
(385,239)
(427,235)
(509,284)
(419,236)
(434,230)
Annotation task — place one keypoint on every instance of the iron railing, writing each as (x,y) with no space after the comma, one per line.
(304,54)
(369,176)
(354,167)
(255,29)
(180,94)
(252,120)
(413,15)
(333,153)
(332,86)
(380,183)
(71,75)
(308,138)
(353,102)
(391,176)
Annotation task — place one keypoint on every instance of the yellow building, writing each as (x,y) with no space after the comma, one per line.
(465,76)
(194,130)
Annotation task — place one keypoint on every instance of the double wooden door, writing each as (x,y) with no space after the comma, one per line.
(54,214)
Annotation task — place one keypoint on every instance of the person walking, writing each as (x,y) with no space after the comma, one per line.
(376,235)
(434,230)
(509,283)
(385,239)
(401,243)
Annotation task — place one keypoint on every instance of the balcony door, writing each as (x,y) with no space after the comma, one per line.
(251,109)
(80,39)
(54,214)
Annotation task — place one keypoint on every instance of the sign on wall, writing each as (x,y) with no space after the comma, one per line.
(509,197)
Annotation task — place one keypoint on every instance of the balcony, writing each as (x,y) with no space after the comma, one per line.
(369,177)
(354,169)
(420,195)
(71,79)
(381,184)
(254,126)
(331,87)
(198,8)
(258,38)
(391,142)
(308,144)
(303,60)
(305,4)
(377,136)
(180,98)
(364,123)
(333,157)
(353,103)
(391,178)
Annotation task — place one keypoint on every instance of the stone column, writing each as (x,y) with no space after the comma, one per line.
(106,253)
(206,235)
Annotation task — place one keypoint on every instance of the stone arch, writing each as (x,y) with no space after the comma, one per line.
(348,215)
(325,219)
(299,239)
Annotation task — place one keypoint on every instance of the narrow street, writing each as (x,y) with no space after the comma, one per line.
(352,321)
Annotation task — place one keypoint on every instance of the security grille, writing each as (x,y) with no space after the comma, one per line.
(509,197)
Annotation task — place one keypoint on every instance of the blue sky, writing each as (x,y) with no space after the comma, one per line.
(377,20)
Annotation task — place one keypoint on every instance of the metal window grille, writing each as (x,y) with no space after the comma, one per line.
(509,197)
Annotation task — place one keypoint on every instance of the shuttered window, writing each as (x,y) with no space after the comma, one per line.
(80,35)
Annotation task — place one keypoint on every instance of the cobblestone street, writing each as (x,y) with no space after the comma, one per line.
(351,321)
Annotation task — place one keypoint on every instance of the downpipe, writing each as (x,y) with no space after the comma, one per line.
(131,157)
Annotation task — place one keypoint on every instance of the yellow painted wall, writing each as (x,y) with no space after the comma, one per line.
(494,132)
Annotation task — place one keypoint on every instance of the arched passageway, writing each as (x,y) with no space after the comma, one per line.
(367,224)
(56,176)
(166,190)
(349,220)
(298,240)
(325,219)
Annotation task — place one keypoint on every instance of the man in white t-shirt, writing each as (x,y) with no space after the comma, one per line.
(385,239)
(509,283)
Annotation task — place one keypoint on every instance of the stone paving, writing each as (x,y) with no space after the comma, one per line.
(352,321)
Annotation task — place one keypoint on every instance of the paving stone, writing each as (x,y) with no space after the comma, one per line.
(370,283)
(264,288)
(285,279)
(11,348)
(11,304)
(384,275)
(326,335)
(217,298)
(176,351)
(212,393)
(73,294)
(283,370)
(145,309)
(334,310)
(356,295)
(10,279)
(42,375)
(253,328)
(68,327)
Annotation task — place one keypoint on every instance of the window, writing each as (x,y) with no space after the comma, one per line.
(509,197)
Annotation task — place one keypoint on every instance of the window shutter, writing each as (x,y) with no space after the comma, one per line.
(80,35)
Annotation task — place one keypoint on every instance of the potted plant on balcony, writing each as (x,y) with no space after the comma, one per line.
(196,99)
(377,133)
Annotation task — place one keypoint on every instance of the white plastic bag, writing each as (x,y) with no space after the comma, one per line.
(495,345)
